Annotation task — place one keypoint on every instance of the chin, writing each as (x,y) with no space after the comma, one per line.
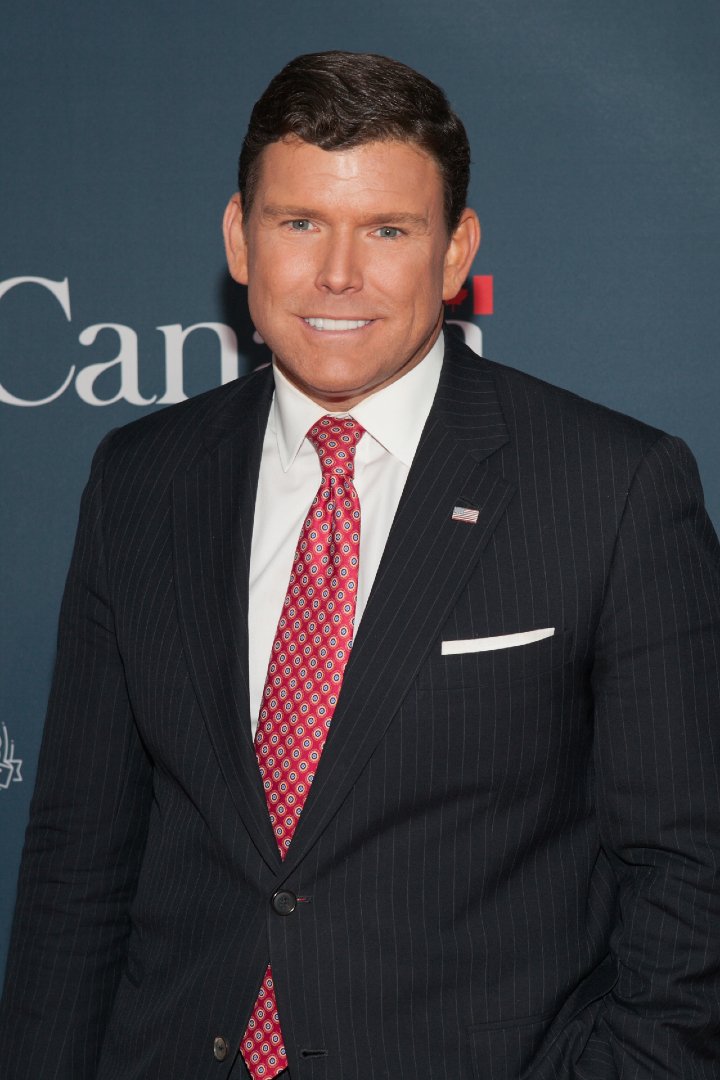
(331,377)
(334,393)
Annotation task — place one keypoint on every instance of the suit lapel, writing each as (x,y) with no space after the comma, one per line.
(214,505)
(427,560)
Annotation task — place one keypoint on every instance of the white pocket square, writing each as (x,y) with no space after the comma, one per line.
(503,641)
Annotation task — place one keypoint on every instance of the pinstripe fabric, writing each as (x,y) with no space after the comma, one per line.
(508,861)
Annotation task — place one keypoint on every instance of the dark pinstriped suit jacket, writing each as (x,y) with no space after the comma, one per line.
(507,865)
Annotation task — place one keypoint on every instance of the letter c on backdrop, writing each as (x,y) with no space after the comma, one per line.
(61,291)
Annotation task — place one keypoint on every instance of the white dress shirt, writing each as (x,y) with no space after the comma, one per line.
(393,419)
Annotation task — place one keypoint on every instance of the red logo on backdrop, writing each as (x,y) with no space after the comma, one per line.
(481,286)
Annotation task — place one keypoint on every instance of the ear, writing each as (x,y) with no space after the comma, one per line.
(460,253)
(235,240)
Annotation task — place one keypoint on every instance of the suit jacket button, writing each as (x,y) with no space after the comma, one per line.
(284,902)
(220,1048)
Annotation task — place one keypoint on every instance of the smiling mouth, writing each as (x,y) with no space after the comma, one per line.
(337,324)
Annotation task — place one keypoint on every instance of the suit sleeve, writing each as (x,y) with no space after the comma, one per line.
(85,839)
(657,717)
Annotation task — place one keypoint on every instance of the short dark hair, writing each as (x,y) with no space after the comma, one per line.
(340,100)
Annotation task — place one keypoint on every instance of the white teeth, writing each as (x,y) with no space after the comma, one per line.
(337,324)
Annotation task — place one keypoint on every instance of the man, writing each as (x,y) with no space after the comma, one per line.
(465,822)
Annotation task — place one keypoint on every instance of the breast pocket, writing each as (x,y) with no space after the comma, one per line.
(496,666)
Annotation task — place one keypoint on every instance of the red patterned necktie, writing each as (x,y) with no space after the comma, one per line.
(311,648)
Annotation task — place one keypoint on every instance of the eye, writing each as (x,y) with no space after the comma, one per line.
(389,232)
(300,225)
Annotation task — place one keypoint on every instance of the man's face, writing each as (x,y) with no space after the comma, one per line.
(347,261)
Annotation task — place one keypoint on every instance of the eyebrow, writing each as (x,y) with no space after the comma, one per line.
(298,213)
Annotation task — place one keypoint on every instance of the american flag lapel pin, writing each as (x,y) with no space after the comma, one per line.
(466,514)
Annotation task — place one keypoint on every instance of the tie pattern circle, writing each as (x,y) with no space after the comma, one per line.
(307,663)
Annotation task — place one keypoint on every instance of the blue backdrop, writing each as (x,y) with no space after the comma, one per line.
(596,175)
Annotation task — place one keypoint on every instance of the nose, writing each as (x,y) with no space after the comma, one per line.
(339,270)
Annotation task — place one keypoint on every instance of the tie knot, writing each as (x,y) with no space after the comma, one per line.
(335,439)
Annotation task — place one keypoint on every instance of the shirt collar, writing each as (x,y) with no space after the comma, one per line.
(395,416)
